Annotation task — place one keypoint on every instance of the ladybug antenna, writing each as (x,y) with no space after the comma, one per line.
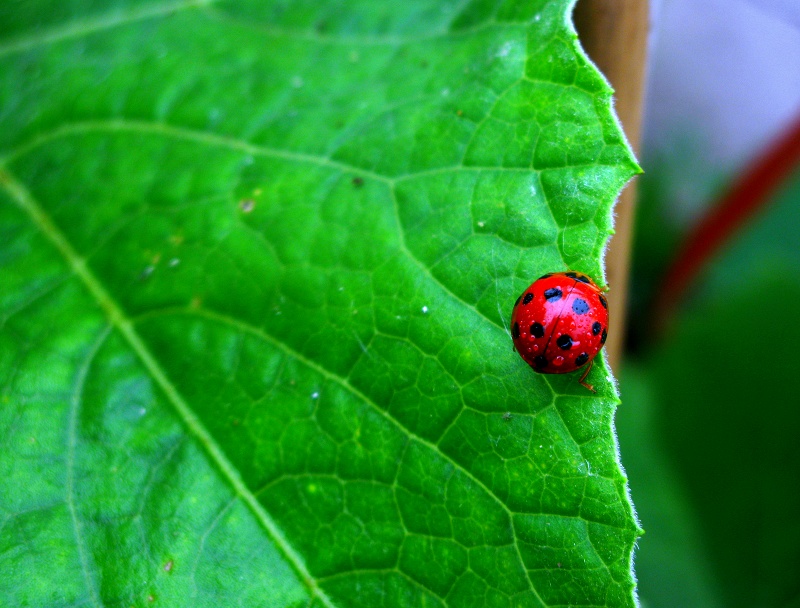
(582,380)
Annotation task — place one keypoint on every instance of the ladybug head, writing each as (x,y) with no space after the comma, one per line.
(579,276)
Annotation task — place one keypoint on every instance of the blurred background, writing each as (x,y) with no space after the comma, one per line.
(709,425)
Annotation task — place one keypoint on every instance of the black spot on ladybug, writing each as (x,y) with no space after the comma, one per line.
(580,306)
(517,302)
(572,275)
(358,182)
(545,276)
(515,331)
(537,330)
(540,361)
(596,327)
(581,359)
(603,337)
(553,294)
(564,342)
(583,278)
(527,299)
(603,302)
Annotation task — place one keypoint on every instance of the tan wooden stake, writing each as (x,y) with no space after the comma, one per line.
(614,35)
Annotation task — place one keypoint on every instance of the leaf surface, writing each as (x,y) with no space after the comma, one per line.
(257,264)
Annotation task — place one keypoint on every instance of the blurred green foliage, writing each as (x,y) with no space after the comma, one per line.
(710,423)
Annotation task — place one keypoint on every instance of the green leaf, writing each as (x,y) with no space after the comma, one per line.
(256,270)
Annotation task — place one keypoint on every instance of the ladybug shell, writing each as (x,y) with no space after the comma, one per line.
(560,322)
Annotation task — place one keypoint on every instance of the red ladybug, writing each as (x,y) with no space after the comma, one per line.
(560,323)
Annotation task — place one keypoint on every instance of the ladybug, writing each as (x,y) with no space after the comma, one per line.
(560,323)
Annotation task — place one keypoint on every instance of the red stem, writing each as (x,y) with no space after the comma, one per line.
(750,193)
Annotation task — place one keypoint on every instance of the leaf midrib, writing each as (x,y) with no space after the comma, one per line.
(117,319)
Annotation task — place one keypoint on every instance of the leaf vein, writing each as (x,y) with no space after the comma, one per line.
(242,145)
(182,133)
(95,24)
(351,40)
(344,383)
(75,402)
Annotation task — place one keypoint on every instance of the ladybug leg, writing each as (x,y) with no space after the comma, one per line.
(583,382)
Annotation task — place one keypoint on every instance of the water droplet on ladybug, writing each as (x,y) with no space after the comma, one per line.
(535,347)
(558,361)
